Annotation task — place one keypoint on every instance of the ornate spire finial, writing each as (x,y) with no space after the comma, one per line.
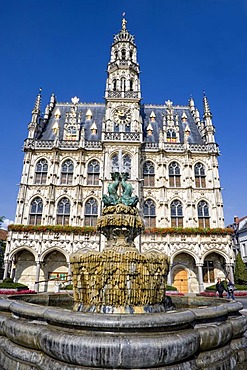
(124,22)
(206,107)
(36,108)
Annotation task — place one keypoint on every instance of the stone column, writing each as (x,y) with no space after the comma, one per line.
(6,268)
(230,273)
(36,285)
(69,272)
(13,267)
(200,277)
(169,277)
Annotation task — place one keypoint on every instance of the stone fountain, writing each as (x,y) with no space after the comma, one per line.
(119,319)
(119,279)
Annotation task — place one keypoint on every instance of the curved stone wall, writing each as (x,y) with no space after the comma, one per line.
(38,337)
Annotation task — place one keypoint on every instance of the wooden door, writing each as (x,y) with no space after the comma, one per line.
(180,280)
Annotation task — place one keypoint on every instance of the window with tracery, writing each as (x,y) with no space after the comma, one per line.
(91,212)
(93,171)
(148,173)
(41,172)
(171,136)
(203,214)
(63,211)
(36,211)
(174,175)
(149,213)
(67,171)
(121,163)
(200,177)
(176,214)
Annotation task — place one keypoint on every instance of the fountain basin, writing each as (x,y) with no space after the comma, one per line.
(33,336)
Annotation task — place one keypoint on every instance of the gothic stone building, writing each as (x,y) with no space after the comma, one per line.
(170,154)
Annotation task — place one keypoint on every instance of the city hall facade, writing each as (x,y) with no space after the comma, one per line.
(171,156)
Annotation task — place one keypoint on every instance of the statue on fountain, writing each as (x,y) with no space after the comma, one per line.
(127,189)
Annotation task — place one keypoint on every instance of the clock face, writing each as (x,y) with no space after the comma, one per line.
(122,115)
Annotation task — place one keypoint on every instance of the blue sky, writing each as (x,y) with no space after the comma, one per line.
(184,47)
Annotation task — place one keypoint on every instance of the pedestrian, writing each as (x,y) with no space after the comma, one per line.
(220,288)
(230,289)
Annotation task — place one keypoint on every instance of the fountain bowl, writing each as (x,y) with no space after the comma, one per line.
(35,334)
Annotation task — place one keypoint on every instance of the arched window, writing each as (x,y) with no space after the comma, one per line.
(176,214)
(36,210)
(148,173)
(67,172)
(63,211)
(203,214)
(93,173)
(91,212)
(116,54)
(41,172)
(200,177)
(171,136)
(149,212)
(114,84)
(131,54)
(123,53)
(174,175)
(121,163)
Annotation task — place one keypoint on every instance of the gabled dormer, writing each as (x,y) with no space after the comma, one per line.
(170,124)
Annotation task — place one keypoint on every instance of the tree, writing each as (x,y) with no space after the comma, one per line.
(240,275)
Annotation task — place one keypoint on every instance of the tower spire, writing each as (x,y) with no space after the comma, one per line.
(124,22)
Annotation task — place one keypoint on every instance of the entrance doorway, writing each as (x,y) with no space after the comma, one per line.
(180,280)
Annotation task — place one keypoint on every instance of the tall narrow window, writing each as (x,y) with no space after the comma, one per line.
(171,136)
(63,211)
(67,172)
(174,175)
(36,210)
(116,54)
(203,214)
(131,84)
(176,214)
(121,163)
(123,53)
(200,175)
(93,173)
(123,84)
(148,173)
(149,212)
(114,85)
(41,172)
(91,212)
